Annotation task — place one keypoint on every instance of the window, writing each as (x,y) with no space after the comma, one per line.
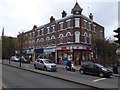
(30,35)
(94,28)
(89,26)
(61,38)
(90,38)
(77,37)
(77,22)
(37,42)
(68,23)
(53,28)
(53,40)
(42,31)
(48,30)
(68,36)
(85,24)
(33,34)
(61,25)
(42,41)
(86,37)
(38,32)
(47,41)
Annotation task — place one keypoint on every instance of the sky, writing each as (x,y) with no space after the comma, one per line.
(21,15)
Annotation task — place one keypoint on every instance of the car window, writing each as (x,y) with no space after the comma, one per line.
(37,60)
(91,65)
(41,61)
(47,61)
(100,66)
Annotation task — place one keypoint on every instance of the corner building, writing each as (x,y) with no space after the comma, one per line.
(69,38)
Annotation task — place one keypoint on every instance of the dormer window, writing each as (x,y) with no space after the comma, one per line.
(77,10)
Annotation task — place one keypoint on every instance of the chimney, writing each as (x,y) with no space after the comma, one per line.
(64,14)
(91,16)
(34,27)
(52,19)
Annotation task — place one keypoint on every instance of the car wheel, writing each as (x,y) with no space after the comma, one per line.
(35,66)
(101,74)
(45,69)
(82,71)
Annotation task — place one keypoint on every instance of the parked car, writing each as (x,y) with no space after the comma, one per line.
(45,64)
(14,58)
(24,60)
(95,69)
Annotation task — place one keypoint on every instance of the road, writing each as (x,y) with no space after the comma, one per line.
(18,78)
(86,79)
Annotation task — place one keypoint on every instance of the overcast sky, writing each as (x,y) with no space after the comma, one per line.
(20,15)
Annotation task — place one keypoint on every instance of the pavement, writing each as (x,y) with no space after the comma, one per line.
(70,78)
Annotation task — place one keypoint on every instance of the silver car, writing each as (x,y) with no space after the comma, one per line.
(14,58)
(45,64)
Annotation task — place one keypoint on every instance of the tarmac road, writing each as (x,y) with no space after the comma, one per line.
(18,78)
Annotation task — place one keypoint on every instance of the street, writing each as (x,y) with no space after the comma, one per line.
(17,78)
(76,76)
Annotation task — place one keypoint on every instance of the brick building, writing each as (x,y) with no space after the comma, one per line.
(68,38)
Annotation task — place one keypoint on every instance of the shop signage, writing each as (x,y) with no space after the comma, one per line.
(65,48)
(40,50)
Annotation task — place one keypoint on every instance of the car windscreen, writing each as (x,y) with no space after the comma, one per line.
(47,61)
(100,66)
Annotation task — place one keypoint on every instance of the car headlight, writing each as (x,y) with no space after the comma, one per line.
(104,69)
(49,66)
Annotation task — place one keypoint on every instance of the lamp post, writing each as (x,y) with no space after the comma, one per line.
(21,46)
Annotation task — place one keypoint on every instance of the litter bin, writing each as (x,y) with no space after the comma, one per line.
(115,69)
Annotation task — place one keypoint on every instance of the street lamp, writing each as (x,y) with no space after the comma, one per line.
(21,46)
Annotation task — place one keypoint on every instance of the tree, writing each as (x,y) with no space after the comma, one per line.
(8,46)
(106,51)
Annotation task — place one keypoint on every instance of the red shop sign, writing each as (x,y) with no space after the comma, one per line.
(64,48)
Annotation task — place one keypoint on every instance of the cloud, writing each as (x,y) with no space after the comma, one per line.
(21,15)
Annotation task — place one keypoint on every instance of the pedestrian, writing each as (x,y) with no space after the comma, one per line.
(93,60)
(79,61)
(58,60)
(30,58)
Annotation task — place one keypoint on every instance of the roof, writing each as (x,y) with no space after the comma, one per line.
(76,8)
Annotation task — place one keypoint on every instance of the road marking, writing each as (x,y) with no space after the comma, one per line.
(99,79)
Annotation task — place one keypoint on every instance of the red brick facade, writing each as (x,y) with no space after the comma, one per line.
(69,38)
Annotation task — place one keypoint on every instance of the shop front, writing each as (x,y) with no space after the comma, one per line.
(64,54)
(74,54)
(30,54)
(49,53)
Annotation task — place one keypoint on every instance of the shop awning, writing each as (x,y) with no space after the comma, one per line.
(40,51)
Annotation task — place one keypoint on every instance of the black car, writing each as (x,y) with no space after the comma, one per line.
(94,69)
